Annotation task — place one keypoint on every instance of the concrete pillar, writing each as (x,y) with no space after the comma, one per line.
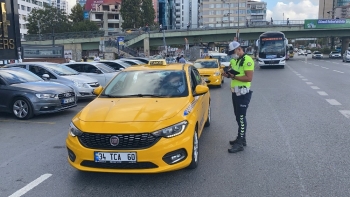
(146,46)
(105,23)
(345,44)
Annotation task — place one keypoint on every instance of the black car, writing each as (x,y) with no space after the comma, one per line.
(24,94)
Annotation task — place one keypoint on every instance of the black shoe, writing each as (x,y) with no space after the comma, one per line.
(244,143)
(238,146)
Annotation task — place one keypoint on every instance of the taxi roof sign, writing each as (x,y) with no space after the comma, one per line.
(161,62)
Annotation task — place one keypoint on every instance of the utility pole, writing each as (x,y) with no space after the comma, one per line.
(164,43)
(39,30)
(238,14)
(332,38)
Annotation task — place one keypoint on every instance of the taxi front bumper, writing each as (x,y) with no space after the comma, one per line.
(155,159)
(213,80)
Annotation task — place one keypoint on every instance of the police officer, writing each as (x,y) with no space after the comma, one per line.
(243,67)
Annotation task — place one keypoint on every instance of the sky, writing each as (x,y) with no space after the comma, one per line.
(294,10)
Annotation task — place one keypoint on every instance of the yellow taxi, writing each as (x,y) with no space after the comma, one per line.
(148,119)
(210,70)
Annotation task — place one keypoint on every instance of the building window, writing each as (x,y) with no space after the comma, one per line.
(212,5)
(218,5)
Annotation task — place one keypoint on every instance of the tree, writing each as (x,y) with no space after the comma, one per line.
(148,13)
(47,19)
(77,13)
(131,14)
(51,18)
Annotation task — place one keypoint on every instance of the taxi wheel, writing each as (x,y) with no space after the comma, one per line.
(207,123)
(222,80)
(194,162)
(22,108)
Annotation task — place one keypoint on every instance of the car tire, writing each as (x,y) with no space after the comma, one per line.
(282,67)
(222,80)
(207,123)
(22,108)
(194,161)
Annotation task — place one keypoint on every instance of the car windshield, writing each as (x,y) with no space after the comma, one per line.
(105,68)
(334,52)
(222,58)
(61,70)
(316,52)
(155,83)
(206,64)
(19,76)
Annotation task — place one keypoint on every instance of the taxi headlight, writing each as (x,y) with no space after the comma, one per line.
(217,73)
(74,131)
(171,131)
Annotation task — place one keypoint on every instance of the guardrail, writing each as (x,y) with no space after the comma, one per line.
(133,34)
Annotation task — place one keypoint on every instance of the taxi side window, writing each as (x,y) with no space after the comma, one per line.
(197,76)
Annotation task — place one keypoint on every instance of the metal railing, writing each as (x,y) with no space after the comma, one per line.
(193,27)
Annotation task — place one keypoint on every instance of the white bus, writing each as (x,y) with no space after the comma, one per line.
(272,49)
(222,57)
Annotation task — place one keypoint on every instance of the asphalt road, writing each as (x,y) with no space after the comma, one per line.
(297,145)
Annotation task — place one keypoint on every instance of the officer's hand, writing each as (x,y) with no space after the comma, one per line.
(224,74)
(230,75)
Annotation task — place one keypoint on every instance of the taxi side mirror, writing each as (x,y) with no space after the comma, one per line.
(200,90)
(97,91)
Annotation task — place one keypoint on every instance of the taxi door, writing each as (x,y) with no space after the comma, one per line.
(200,105)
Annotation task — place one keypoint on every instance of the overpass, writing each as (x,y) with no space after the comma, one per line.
(199,35)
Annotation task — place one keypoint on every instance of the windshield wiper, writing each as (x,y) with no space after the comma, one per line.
(134,95)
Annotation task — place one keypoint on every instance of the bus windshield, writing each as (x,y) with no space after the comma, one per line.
(272,49)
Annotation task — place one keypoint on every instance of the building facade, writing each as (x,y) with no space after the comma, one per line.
(60,4)
(186,12)
(155,7)
(24,9)
(342,11)
(107,17)
(327,8)
(225,13)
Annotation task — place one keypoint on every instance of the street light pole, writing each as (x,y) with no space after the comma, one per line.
(238,14)
(164,43)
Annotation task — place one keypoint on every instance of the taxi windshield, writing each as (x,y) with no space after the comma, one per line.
(206,64)
(146,83)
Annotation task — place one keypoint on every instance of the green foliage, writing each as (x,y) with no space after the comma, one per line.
(137,13)
(131,14)
(77,14)
(51,18)
(148,13)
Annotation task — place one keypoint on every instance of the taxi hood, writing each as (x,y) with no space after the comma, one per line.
(132,109)
(208,71)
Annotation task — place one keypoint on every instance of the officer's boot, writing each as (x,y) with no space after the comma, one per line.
(244,143)
(236,147)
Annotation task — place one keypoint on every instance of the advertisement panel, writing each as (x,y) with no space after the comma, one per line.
(326,23)
(9,30)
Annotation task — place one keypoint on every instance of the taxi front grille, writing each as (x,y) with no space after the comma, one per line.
(126,141)
(205,75)
(138,165)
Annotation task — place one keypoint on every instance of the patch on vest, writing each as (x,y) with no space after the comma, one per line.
(249,64)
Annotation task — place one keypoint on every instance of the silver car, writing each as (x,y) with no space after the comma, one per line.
(82,85)
(24,94)
(102,72)
(131,62)
(116,64)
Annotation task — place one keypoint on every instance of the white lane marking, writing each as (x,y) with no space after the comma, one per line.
(338,71)
(31,185)
(333,102)
(322,93)
(345,113)
(316,65)
(304,79)
(315,87)
(326,68)
(298,74)
(301,77)
(309,83)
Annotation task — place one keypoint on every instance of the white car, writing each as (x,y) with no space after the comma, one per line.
(317,55)
(346,56)
(102,72)
(335,54)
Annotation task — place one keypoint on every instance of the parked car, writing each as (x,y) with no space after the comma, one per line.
(82,85)
(102,72)
(24,94)
(141,59)
(116,64)
(317,55)
(346,56)
(132,62)
(335,54)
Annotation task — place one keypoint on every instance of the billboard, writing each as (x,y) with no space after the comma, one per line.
(326,23)
(10,38)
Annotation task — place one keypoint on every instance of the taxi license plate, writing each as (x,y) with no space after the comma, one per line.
(115,157)
(68,100)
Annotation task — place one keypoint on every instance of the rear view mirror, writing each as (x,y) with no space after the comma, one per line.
(46,76)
